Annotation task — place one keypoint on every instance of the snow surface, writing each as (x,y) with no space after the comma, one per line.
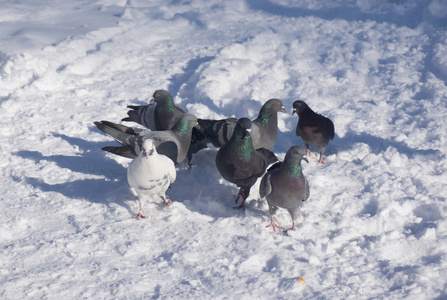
(374,225)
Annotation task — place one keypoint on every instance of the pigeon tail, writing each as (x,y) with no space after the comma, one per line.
(119,132)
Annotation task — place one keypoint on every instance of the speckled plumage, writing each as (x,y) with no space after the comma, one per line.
(150,174)
(285,186)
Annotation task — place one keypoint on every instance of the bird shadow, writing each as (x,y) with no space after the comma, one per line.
(110,188)
(348,142)
(204,192)
(377,145)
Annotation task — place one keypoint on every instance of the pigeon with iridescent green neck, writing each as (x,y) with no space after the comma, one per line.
(160,114)
(173,143)
(285,186)
(264,128)
(239,163)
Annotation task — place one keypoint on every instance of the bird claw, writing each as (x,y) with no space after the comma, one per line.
(168,201)
(293,228)
(139,216)
(273,225)
(240,206)
(240,195)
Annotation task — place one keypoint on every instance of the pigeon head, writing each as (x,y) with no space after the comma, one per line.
(243,125)
(299,106)
(268,111)
(273,106)
(296,154)
(186,123)
(161,96)
(148,148)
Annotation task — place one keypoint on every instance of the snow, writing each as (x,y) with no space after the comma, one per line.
(374,225)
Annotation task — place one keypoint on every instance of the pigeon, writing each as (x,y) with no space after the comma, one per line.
(173,143)
(313,128)
(264,128)
(150,174)
(285,186)
(239,163)
(163,115)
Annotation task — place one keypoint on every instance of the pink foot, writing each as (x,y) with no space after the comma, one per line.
(321,160)
(308,153)
(273,224)
(293,228)
(168,201)
(139,216)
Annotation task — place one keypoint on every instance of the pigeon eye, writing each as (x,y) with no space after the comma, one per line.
(277,104)
(296,152)
(157,95)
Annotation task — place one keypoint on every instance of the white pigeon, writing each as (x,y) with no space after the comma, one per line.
(150,174)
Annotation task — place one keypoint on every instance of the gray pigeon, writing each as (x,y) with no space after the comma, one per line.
(173,143)
(150,174)
(313,128)
(264,128)
(239,163)
(160,114)
(285,186)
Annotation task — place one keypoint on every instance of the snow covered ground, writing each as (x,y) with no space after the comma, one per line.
(375,224)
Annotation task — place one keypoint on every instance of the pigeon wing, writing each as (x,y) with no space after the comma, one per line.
(265,187)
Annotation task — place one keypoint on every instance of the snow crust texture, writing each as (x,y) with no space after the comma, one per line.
(374,225)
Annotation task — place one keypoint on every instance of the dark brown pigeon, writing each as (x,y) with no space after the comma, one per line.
(313,128)
(285,186)
(239,163)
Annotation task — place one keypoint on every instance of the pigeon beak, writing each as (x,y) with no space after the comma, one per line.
(246,132)
(305,158)
(283,109)
(151,101)
(293,111)
(147,153)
